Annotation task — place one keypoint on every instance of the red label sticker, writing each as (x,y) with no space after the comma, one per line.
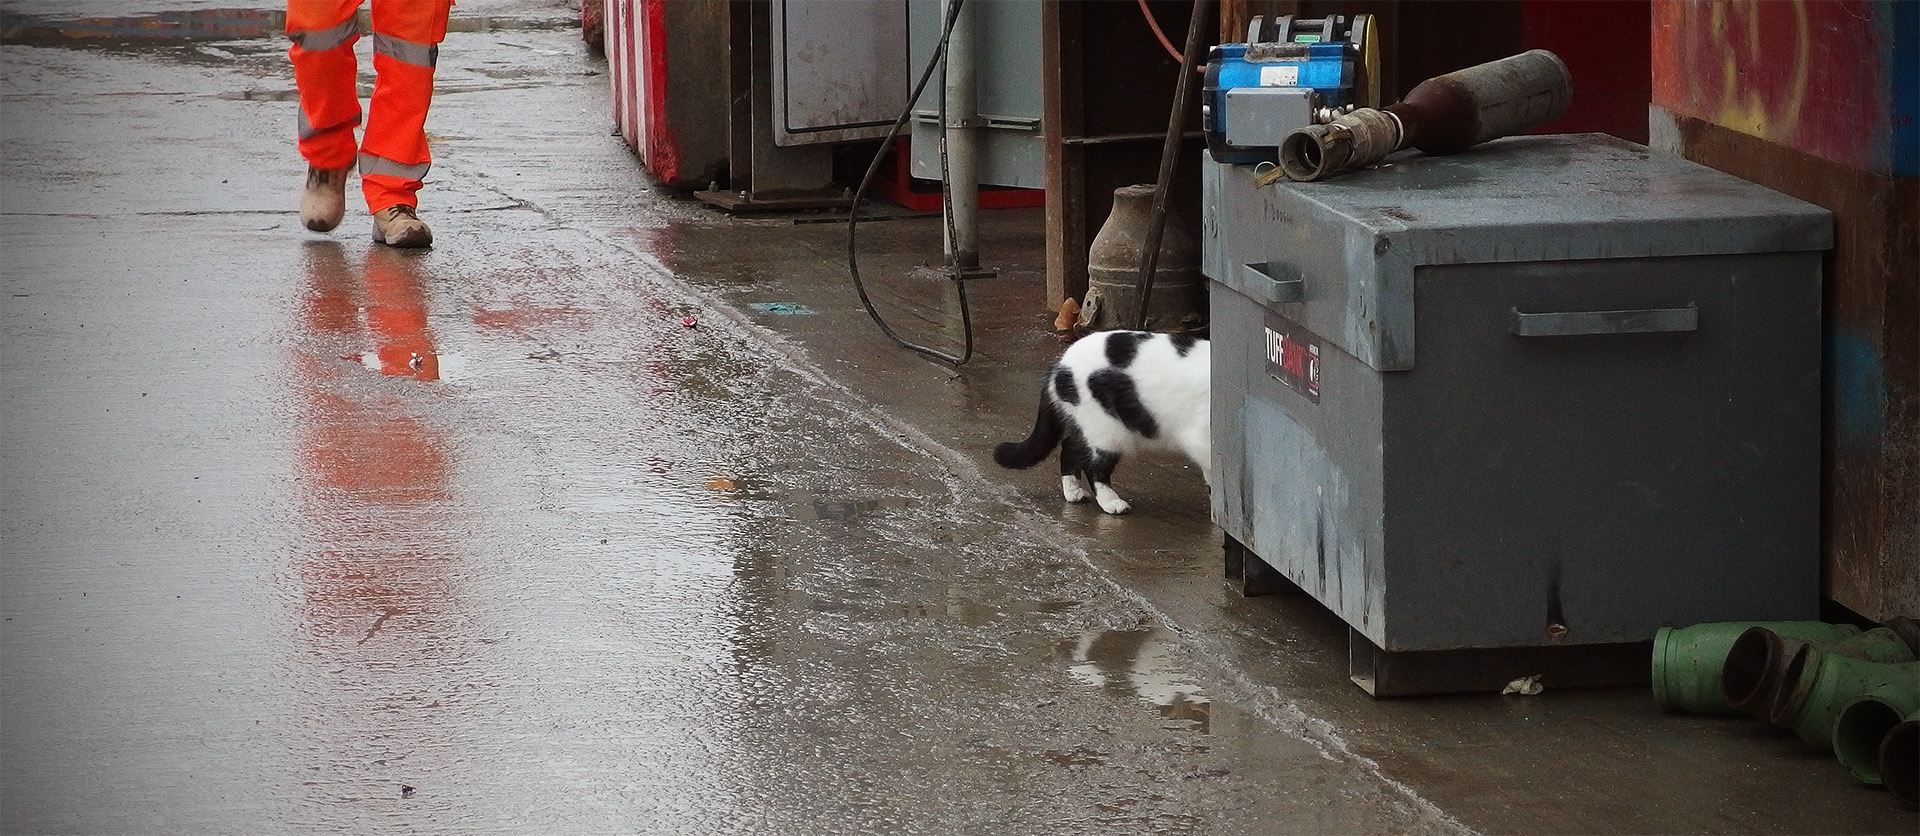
(1293,356)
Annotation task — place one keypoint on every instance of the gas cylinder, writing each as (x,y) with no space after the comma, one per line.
(1442,115)
(1179,298)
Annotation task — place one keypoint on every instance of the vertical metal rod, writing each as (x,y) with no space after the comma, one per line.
(961,135)
(1169,158)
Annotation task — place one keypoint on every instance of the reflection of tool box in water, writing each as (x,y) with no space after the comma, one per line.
(1508,412)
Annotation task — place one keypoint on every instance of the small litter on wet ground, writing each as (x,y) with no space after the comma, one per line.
(782,308)
(1525,686)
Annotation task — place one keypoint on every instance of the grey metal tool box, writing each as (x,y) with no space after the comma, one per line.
(1508,412)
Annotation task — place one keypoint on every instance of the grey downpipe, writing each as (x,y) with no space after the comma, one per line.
(960,135)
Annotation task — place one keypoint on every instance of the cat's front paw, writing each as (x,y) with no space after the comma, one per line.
(1071,488)
(1111,503)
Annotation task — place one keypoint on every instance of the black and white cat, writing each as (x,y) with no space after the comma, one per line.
(1114,393)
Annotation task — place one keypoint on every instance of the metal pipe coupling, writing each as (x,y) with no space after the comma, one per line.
(1356,139)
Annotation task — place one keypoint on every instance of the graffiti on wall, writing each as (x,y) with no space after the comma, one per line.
(1813,75)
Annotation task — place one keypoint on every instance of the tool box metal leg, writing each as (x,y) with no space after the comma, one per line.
(1253,576)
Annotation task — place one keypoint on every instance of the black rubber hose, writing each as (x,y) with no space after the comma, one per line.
(938,61)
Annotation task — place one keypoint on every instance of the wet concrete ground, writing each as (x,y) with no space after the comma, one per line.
(303,534)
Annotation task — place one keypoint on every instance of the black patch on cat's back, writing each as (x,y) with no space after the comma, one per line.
(1122,347)
(1114,390)
(1063,387)
(1182,343)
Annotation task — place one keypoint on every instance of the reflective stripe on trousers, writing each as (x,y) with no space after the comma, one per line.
(381,166)
(417,54)
(320,40)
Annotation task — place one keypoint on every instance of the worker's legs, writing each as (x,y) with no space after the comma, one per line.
(393,153)
(323,33)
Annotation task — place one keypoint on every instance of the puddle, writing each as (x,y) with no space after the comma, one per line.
(844,510)
(733,485)
(1077,756)
(283,95)
(975,613)
(799,505)
(213,25)
(201,25)
(444,367)
(1142,664)
(491,23)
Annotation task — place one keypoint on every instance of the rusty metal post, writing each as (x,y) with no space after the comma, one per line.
(1169,157)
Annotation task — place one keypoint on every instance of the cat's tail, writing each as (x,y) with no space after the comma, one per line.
(1047,431)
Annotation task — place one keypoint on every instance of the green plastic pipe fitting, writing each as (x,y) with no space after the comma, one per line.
(1687,661)
(1820,684)
(1863,726)
(1756,664)
(1900,762)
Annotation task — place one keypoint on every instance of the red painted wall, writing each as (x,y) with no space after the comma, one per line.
(1806,74)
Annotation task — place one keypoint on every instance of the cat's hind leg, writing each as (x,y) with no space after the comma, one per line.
(1073,460)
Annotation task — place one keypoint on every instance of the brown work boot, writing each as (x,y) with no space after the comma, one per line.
(324,201)
(398,226)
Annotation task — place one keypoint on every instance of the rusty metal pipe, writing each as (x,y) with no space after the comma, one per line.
(1444,114)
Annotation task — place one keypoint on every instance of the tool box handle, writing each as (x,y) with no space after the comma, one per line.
(1273,282)
(1578,323)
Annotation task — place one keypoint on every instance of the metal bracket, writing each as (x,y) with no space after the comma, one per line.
(1581,323)
(1273,282)
(984,120)
(954,274)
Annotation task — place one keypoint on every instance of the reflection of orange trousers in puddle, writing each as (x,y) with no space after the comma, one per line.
(375,473)
(368,451)
(397,316)
(393,155)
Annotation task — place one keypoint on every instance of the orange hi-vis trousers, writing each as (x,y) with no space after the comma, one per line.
(392,156)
